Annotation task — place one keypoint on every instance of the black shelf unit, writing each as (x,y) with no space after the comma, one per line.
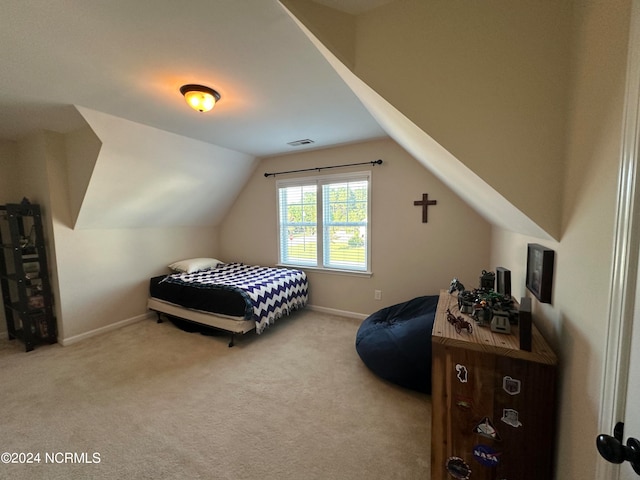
(24,276)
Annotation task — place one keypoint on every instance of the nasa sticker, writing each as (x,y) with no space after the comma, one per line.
(458,469)
(462,373)
(485,455)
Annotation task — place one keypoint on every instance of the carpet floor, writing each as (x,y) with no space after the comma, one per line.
(150,401)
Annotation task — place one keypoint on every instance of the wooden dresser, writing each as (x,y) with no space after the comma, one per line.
(493,404)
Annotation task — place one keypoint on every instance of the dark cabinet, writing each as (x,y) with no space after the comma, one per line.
(24,276)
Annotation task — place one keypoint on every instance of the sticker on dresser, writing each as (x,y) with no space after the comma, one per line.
(510,417)
(462,373)
(458,469)
(511,385)
(486,429)
(486,455)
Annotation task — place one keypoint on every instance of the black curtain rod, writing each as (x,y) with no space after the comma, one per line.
(374,162)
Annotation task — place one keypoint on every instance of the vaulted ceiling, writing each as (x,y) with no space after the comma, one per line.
(112,71)
(129,58)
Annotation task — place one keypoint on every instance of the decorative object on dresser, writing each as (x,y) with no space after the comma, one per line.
(484,304)
(24,277)
(458,322)
(524,323)
(493,403)
(233,297)
(503,281)
(487,280)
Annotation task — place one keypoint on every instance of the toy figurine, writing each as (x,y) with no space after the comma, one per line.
(484,302)
(487,280)
(482,312)
(456,285)
(458,322)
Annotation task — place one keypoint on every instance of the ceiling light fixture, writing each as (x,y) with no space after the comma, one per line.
(199,97)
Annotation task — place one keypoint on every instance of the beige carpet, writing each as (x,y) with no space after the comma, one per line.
(152,401)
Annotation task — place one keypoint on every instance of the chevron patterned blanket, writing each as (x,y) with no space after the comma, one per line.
(269,293)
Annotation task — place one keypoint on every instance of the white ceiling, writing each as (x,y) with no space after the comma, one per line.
(129,58)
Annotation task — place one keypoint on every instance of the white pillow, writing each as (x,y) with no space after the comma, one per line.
(192,265)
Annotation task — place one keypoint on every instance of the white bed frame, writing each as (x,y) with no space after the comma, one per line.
(233,325)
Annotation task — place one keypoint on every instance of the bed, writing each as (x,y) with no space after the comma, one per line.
(231,297)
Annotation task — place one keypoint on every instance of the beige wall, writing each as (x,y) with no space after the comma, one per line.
(27,173)
(558,134)
(100,276)
(529,96)
(576,321)
(487,80)
(9,190)
(409,258)
(104,274)
(322,19)
(82,149)
(8,172)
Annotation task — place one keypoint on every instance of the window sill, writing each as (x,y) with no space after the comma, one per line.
(334,271)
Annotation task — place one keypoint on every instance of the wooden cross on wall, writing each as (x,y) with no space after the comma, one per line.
(425,202)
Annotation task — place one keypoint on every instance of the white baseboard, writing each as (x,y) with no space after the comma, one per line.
(340,313)
(98,331)
(138,318)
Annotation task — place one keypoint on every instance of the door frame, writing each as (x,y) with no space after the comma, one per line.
(622,296)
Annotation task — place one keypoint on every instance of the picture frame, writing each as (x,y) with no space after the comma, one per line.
(540,261)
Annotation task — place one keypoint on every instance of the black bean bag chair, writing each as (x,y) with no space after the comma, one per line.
(395,342)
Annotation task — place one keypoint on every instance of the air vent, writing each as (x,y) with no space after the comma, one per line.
(297,143)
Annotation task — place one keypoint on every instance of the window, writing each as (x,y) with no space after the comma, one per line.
(324,221)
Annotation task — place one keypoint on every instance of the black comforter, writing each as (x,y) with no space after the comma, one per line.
(214,300)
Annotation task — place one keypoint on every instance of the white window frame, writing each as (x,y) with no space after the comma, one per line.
(319,181)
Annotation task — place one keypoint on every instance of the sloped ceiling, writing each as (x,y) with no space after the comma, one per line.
(478,92)
(129,58)
(107,74)
(117,67)
(469,186)
(353,7)
(146,177)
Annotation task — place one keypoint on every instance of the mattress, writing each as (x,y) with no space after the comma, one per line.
(222,322)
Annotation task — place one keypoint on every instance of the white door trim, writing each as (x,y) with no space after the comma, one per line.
(625,256)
